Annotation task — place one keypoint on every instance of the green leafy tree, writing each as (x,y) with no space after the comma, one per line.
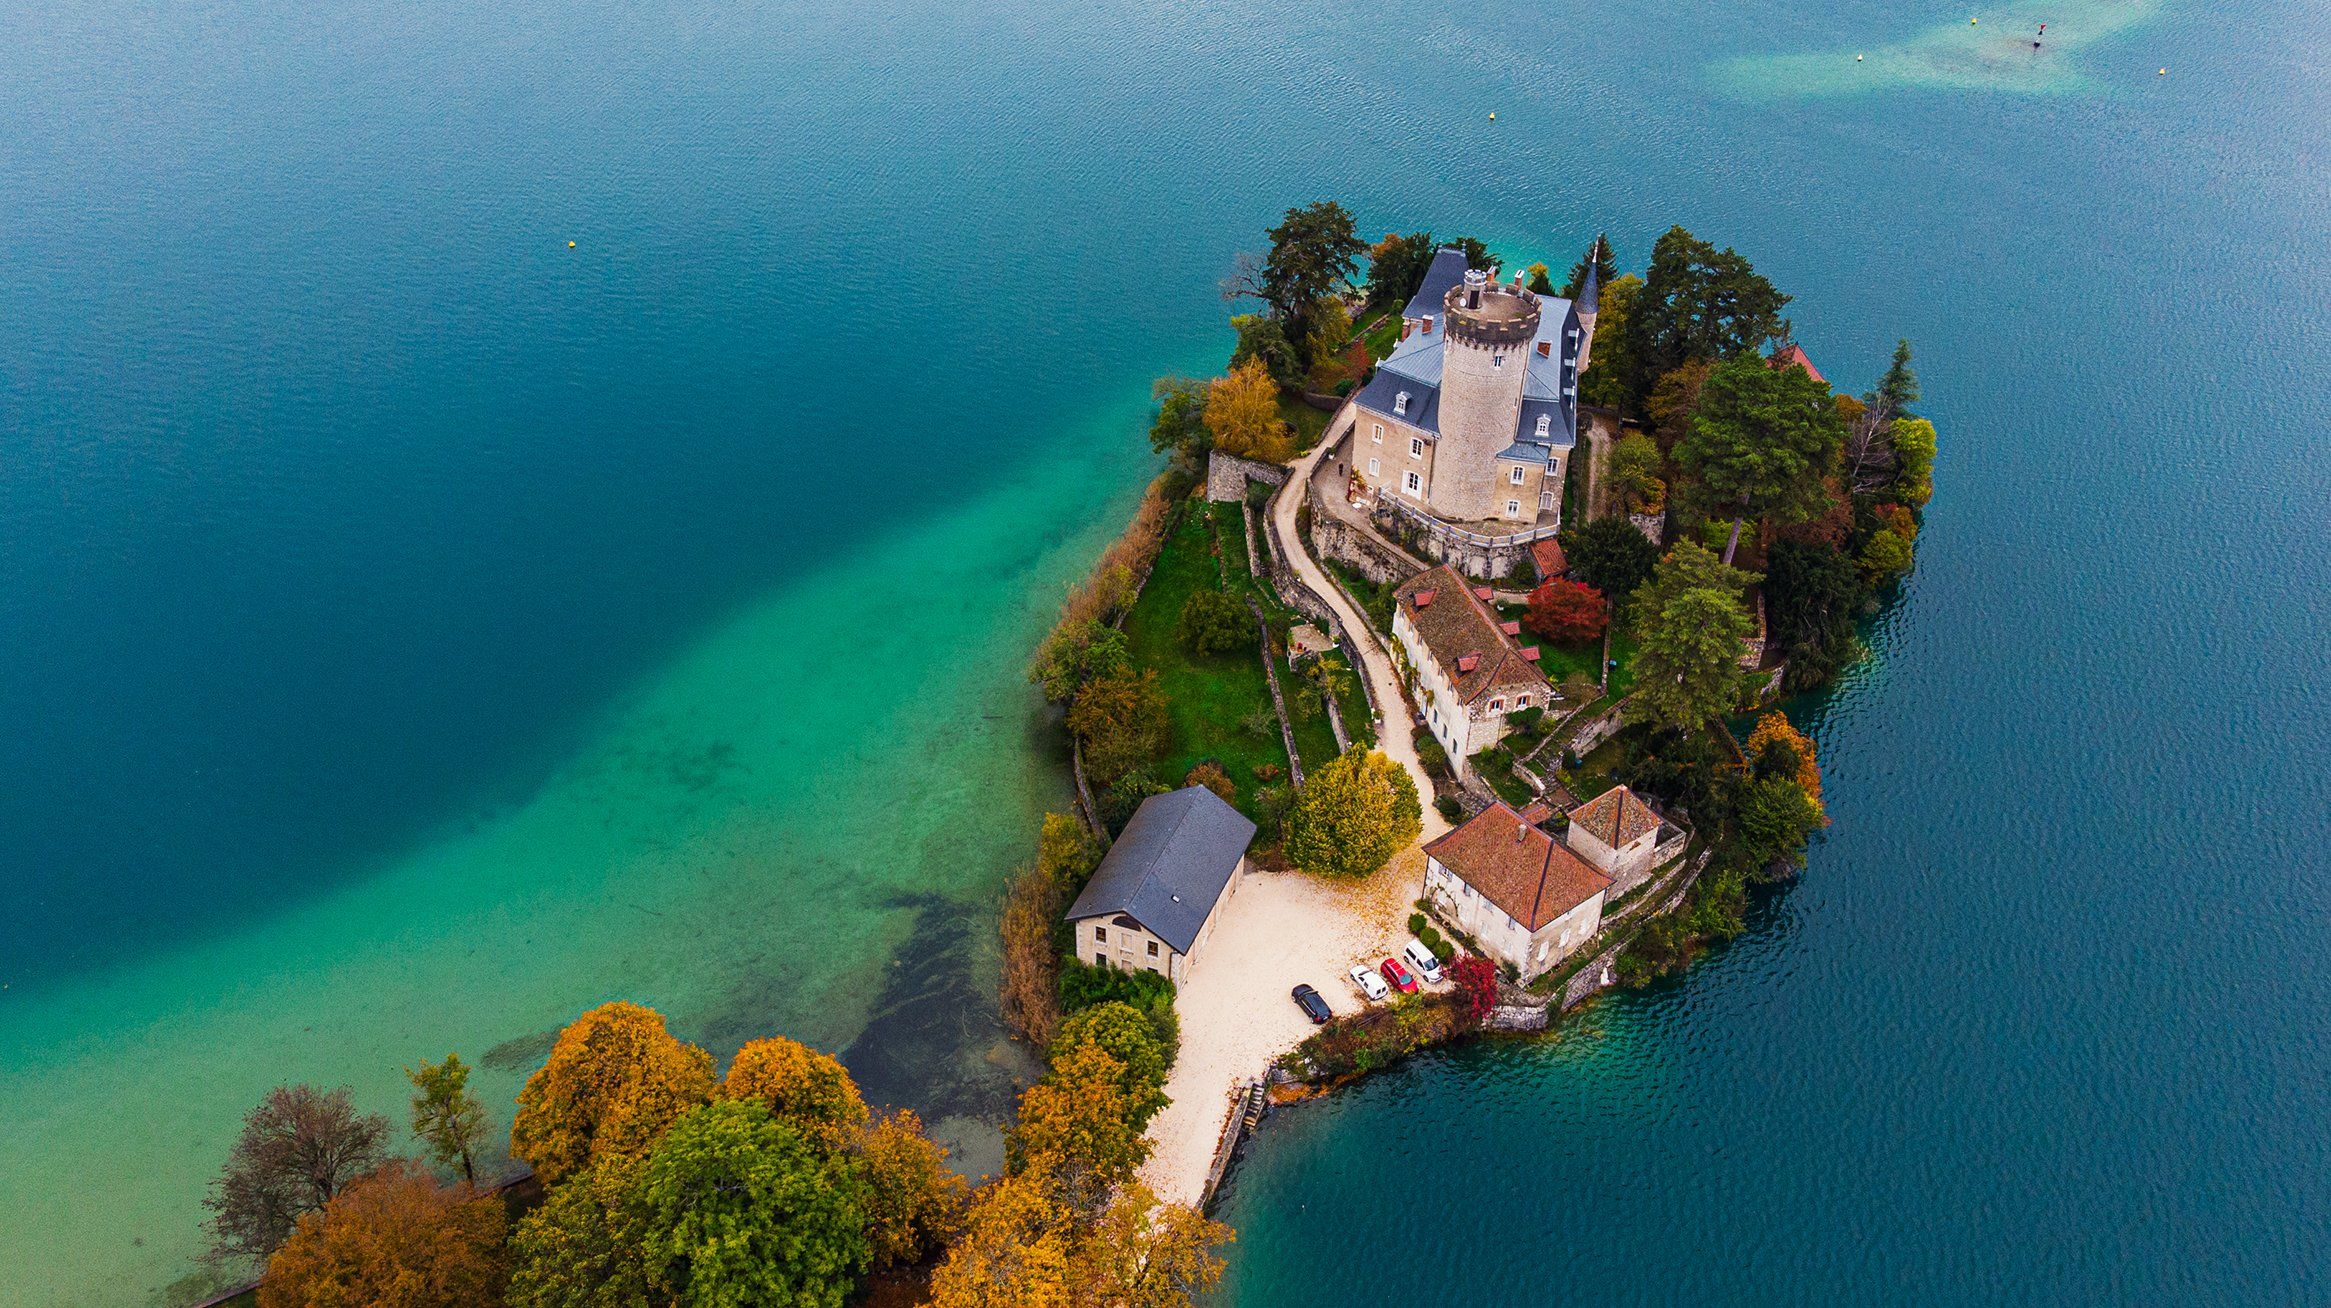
(1913,479)
(1180,426)
(1691,631)
(1772,820)
(1539,280)
(1396,268)
(1886,556)
(446,1116)
(1314,252)
(1697,303)
(1608,370)
(1476,254)
(1761,441)
(1895,392)
(1121,721)
(1352,816)
(1077,654)
(1811,593)
(1262,339)
(1635,465)
(1611,556)
(586,1245)
(1599,257)
(1674,398)
(1331,329)
(1214,623)
(741,1210)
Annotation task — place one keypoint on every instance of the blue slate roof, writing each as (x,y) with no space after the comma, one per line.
(1424,401)
(1169,865)
(1446,270)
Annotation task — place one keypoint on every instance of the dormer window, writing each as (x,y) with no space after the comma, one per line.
(1400,403)
(1545,425)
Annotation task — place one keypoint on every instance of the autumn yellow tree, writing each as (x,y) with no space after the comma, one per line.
(1077,1125)
(1242,410)
(395,1239)
(1015,1251)
(915,1201)
(801,1086)
(615,1079)
(1147,1254)
(1774,730)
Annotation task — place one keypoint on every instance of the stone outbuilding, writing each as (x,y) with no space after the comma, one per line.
(1524,897)
(1154,899)
(1467,669)
(1618,833)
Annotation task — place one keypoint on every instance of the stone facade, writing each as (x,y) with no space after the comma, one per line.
(1482,364)
(1466,671)
(1526,900)
(1117,940)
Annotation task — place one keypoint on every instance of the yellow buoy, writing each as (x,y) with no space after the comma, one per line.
(1493,115)
(2163,73)
(1857,59)
(570,245)
(1972,21)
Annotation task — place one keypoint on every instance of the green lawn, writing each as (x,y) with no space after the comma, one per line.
(1559,661)
(1382,334)
(1206,698)
(1309,423)
(1593,776)
(1314,738)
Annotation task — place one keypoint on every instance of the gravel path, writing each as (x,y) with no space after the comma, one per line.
(1283,928)
(1280,929)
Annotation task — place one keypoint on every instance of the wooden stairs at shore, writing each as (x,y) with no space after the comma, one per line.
(1246,1109)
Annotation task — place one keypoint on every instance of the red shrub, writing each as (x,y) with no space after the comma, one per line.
(1476,979)
(1568,612)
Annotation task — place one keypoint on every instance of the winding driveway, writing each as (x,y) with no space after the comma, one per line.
(1397,734)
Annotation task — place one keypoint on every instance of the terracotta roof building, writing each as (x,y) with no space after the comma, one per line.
(1793,355)
(1618,833)
(1465,667)
(1525,898)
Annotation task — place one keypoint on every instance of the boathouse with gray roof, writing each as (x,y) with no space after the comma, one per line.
(1153,902)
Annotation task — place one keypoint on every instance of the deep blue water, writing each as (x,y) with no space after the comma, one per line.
(339,499)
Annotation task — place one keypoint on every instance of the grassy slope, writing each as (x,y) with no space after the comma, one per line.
(1206,697)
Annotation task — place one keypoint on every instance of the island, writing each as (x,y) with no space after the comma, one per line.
(1433,687)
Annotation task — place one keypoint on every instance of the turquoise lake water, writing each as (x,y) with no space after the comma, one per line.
(414,630)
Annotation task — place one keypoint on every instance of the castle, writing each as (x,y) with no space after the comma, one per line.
(1473,417)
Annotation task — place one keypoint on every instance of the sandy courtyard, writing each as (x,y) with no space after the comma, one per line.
(1281,928)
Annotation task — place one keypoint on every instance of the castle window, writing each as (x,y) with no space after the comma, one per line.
(1100,933)
(1517,476)
(1373,467)
(1416,447)
(1545,423)
(1497,706)
(1414,483)
(1513,508)
(1379,434)
(1497,361)
(1153,949)
(1400,403)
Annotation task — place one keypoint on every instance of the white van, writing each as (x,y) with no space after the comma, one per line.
(1371,986)
(1422,962)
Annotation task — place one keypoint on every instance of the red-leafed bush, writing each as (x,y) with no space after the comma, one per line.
(1568,612)
(1476,980)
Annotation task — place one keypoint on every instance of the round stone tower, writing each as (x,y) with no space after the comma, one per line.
(1483,360)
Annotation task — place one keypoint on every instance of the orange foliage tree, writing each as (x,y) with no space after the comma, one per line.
(1774,729)
(615,1079)
(395,1239)
(1015,1251)
(1077,1124)
(800,1085)
(914,1201)
(1146,1254)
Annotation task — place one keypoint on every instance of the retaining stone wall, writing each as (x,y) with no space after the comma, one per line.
(1227,476)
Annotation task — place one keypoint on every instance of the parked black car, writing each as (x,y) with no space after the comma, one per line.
(1312,1005)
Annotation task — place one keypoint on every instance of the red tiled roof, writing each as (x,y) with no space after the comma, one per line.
(1547,554)
(1517,867)
(1461,625)
(1795,355)
(1510,628)
(1616,816)
(1483,593)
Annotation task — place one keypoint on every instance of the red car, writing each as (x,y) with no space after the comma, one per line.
(1398,976)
